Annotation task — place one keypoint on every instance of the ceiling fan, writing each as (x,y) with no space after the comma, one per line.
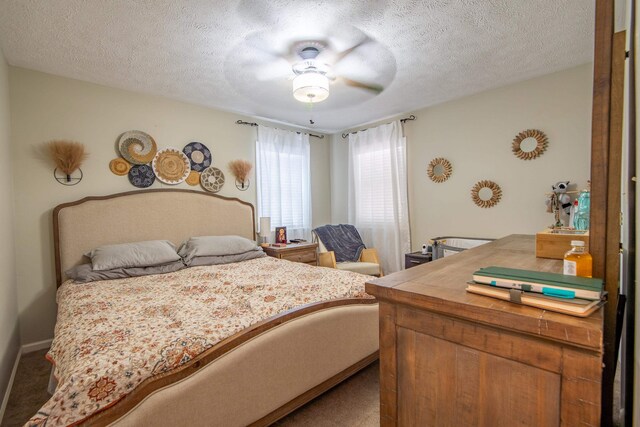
(313,68)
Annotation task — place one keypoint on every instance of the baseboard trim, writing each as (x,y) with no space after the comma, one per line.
(35,346)
(5,400)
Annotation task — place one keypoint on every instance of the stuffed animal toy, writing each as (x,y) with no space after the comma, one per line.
(564,199)
(559,199)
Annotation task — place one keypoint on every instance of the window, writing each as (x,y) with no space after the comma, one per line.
(283,180)
(375,202)
(378,192)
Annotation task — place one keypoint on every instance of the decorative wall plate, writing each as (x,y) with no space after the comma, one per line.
(119,166)
(529,144)
(137,147)
(439,169)
(486,194)
(141,176)
(193,178)
(199,155)
(212,179)
(171,166)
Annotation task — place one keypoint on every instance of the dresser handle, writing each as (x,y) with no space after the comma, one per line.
(413,261)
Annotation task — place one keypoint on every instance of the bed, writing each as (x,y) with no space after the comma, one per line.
(256,375)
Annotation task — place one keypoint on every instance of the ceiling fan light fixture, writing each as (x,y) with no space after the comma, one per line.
(311,87)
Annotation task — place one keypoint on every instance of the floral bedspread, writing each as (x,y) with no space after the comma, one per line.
(112,335)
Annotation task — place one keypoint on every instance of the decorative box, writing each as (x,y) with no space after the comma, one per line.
(554,243)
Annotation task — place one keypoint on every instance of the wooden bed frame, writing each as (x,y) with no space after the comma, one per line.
(254,377)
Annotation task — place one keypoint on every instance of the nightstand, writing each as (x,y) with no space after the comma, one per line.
(297,252)
(416,258)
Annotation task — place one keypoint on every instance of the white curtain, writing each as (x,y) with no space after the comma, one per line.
(283,180)
(378,192)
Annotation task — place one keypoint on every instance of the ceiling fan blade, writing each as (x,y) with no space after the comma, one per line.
(279,69)
(261,70)
(267,48)
(361,85)
(335,57)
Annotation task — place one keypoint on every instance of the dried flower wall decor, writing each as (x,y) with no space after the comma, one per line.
(439,169)
(241,169)
(486,194)
(67,156)
(529,144)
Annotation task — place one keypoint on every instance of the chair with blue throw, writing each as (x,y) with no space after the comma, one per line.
(340,246)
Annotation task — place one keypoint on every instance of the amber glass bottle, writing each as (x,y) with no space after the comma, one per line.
(578,262)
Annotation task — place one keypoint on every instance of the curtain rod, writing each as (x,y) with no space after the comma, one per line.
(240,122)
(411,117)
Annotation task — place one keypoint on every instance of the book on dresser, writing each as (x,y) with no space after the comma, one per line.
(549,284)
(573,306)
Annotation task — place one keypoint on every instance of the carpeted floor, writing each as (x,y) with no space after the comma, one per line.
(352,403)
(29,391)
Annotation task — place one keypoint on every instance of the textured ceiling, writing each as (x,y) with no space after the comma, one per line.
(228,53)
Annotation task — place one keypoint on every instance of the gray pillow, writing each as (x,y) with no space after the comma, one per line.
(83,273)
(215,246)
(138,254)
(226,259)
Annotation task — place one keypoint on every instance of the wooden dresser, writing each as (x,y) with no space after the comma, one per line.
(451,358)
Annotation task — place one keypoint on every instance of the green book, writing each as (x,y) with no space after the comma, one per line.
(551,284)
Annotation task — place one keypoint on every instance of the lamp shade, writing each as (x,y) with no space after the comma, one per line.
(310,87)
(265,226)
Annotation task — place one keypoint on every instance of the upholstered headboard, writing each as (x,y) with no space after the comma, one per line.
(136,216)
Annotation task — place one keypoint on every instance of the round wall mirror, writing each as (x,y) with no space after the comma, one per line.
(529,144)
(439,169)
(486,193)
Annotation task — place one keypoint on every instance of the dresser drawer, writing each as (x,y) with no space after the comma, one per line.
(306,256)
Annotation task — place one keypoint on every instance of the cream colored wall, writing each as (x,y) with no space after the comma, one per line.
(475,134)
(339,180)
(9,338)
(46,107)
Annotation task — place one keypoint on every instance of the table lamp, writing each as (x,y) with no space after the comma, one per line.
(265,229)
